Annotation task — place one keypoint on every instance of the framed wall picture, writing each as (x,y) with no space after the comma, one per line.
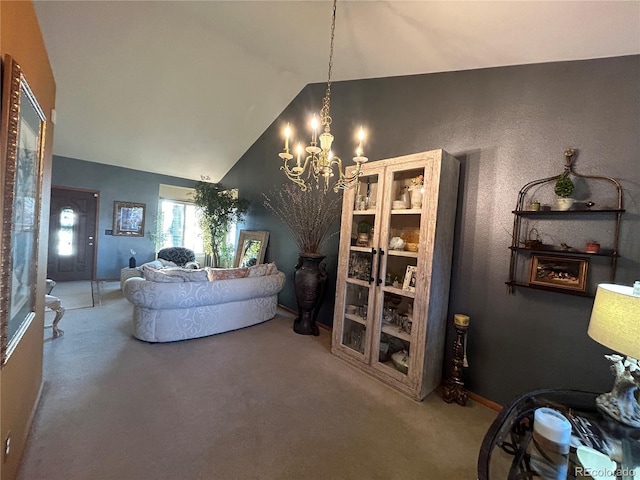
(128,219)
(559,272)
(410,279)
(22,140)
(252,246)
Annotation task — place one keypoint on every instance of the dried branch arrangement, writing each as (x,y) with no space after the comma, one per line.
(308,215)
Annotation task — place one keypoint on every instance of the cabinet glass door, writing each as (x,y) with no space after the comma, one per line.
(362,263)
(354,326)
(400,243)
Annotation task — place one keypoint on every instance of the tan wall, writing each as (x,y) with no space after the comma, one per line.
(21,376)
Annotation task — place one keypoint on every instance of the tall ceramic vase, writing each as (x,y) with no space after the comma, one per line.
(310,279)
(416,197)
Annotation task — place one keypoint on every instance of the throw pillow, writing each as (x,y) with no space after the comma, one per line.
(273,268)
(157,264)
(174,275)
(262,270)
(226,273)
(166,263)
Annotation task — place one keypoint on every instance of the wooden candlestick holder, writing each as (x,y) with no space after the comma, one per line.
(453,389)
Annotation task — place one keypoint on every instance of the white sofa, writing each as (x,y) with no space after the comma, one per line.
(167,312)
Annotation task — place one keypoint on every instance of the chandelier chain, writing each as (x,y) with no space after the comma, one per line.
(317,161)
(325,117)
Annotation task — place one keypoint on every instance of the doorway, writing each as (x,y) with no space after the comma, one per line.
(72,234)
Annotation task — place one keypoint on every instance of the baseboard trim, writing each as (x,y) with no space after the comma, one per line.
(295,312)
(484,401)
(287,309)
(325,327)
(30,421)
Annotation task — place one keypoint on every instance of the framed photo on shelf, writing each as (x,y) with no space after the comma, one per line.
(410,279)
(128,219)
(23,137)
(559,272)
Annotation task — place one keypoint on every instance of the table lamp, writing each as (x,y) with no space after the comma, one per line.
(615,323)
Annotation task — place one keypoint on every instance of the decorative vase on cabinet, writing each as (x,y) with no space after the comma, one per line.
(397,333)
(416,197)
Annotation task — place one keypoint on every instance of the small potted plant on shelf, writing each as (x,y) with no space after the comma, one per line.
(563,189)
(364,229)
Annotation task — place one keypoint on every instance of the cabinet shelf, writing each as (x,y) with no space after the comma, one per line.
(394,331)
(406,211)
(355,281)
(550,249)
(354,248)
(355,318)
(391,368)
(357,213)
(402,253)
(398,291)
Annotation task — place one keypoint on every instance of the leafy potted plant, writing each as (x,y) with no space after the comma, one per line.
(364,229)
(220,208)
(563,188)
(309,216)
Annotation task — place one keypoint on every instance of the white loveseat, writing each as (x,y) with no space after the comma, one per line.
(178,309)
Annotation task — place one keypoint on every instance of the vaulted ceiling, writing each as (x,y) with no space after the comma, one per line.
(184,88)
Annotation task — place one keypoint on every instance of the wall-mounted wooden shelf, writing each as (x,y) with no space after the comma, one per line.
(519,253)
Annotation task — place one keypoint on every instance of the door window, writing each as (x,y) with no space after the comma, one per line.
(66,231)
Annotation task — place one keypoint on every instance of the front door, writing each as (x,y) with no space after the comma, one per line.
(72,232)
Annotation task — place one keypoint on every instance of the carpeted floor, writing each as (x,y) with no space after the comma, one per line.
(259,403)
(73,295)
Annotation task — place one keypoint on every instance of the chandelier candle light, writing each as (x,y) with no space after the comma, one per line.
(319,161)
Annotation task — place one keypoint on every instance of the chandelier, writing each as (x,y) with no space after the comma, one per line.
(319,161)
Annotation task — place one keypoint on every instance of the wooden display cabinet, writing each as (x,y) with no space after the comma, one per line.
(394,301)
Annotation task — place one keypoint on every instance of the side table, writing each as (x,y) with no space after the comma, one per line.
(53,303)
(505,450)
(127,273)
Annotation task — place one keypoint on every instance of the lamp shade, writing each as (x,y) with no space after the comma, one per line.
(615,319)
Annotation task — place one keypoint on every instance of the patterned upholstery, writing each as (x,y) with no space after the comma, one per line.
(178,255)
(167,312)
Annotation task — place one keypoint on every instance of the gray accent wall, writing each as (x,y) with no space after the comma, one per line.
(116,184)
(507,126)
